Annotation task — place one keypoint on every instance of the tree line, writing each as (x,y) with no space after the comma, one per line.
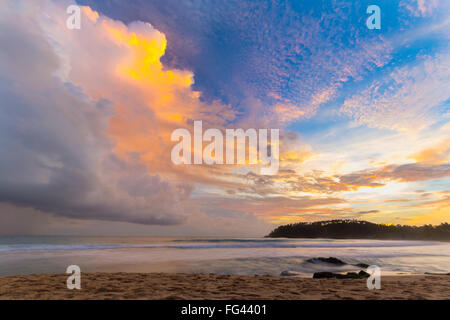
(357,229)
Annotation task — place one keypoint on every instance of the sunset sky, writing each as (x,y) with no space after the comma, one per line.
(86,115)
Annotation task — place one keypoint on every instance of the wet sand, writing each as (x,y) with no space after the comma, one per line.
(155,286)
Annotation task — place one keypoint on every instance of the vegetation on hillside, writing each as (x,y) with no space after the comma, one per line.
(355,229)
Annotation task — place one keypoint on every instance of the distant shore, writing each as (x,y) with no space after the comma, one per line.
(156,286)
(360,229)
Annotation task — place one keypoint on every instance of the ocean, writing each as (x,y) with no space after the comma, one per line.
(242,256)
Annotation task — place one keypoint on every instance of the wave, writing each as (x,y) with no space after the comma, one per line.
(218,244)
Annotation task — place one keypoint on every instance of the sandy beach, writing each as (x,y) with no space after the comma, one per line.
(155,286)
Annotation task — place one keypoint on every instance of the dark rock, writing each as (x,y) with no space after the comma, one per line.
(323,275)
(348,275)
(438,274)
(331,260)
(363,274)
(290,273)
(362,265)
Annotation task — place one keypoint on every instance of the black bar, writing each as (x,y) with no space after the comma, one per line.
(173,310)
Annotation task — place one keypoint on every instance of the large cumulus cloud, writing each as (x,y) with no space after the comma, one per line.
(57,155)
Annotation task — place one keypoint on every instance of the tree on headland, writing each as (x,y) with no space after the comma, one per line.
(356,229)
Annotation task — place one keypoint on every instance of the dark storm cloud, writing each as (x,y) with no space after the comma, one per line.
(55,154)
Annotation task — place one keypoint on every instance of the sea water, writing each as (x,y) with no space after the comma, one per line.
(243,256)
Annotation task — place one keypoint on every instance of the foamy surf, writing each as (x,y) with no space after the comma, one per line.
(216,255)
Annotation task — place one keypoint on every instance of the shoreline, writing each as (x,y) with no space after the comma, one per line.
(359,238)
(181,286)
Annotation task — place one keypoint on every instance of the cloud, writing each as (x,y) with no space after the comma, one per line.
(318,184)
(292,57)
(414,172)
(420,8)
(59,154)
(401,173)
(436,155)
(368,211)
(405,99)
(275,209)
(87,114)
(88,133)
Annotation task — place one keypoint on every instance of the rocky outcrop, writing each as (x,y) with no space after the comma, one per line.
(290,273)
(331,260)
(362,265)
(348,275)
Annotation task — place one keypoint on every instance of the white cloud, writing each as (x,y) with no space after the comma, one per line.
(57,156)
(405,99)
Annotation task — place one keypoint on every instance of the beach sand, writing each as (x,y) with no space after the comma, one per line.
(156,286)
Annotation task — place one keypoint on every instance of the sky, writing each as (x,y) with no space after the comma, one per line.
(86,115)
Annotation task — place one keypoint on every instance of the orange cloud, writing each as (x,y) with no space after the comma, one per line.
(288,112)
(149,99)
(437,155)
